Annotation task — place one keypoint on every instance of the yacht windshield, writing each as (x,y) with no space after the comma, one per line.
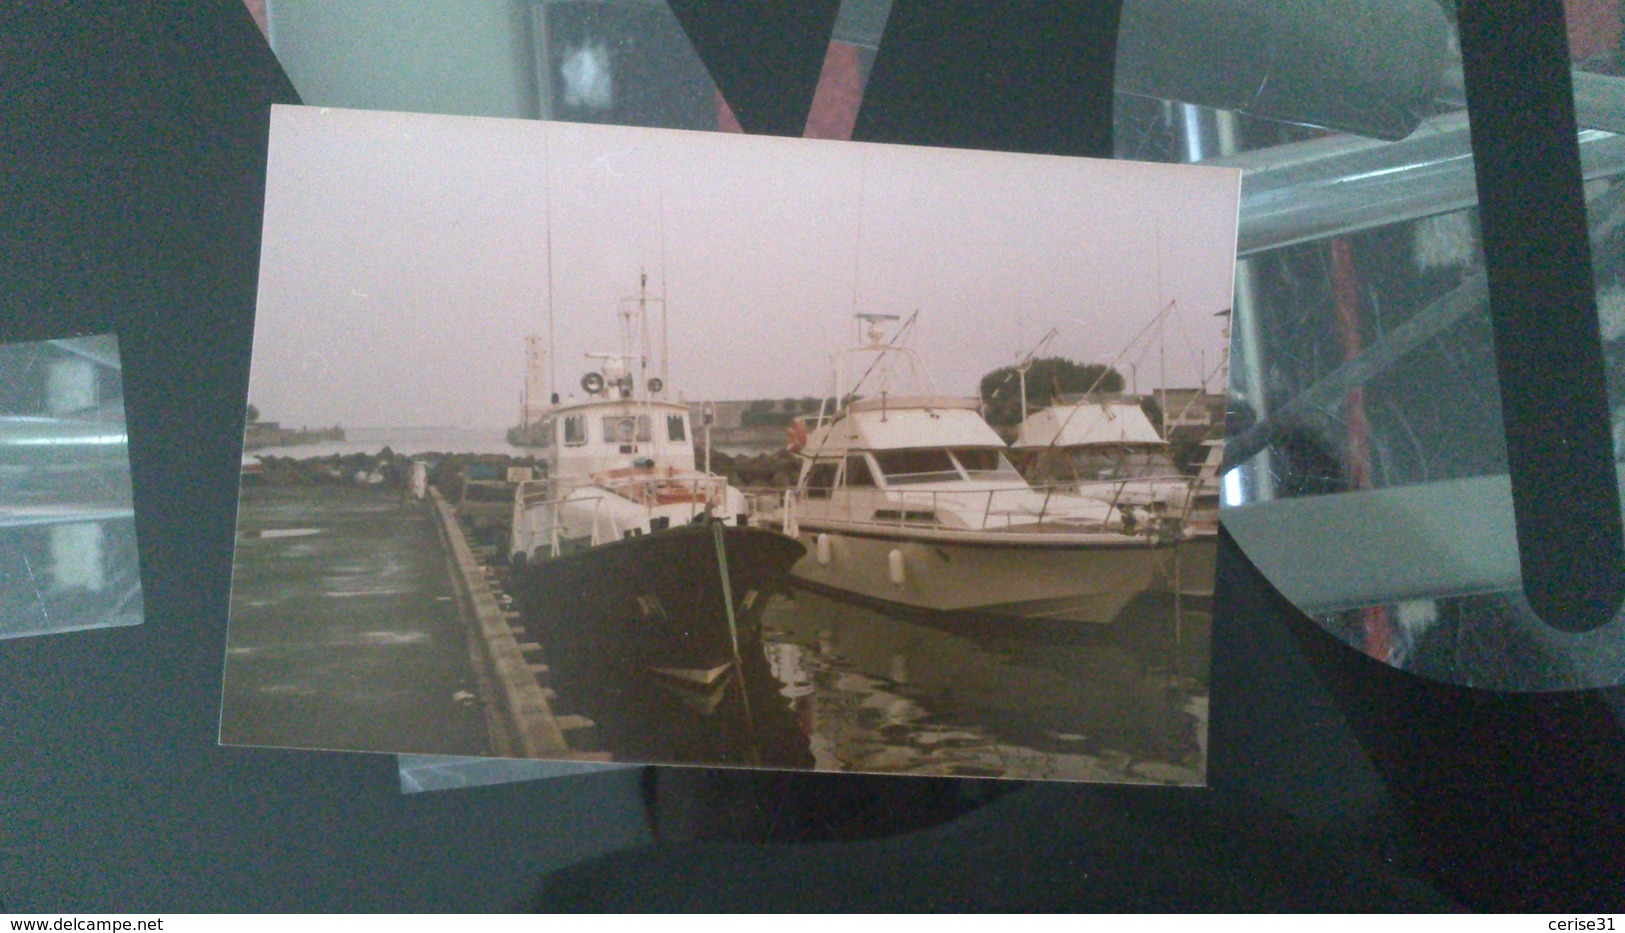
(1121,462)
(985,463)
(922,465)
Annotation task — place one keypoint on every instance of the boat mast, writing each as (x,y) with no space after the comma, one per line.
(660,211)
(547,207)
(1026,363)
(665,377)
(643,327)
(1162,378)
(1162,340)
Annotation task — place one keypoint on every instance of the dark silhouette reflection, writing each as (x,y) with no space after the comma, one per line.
(1030,847)
(709,804)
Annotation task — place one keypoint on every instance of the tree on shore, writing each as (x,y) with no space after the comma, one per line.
(1046,377)
(253,413)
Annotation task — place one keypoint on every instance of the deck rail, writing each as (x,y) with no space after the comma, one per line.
(540,506)
(1044,509)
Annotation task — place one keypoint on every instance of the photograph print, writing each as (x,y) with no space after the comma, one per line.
(605,444)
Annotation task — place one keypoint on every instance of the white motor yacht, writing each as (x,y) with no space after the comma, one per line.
(906,498)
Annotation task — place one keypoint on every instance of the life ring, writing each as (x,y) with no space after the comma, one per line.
(796,436)
(593,383)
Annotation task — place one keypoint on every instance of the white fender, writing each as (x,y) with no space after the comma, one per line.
(895,568)
(822,549)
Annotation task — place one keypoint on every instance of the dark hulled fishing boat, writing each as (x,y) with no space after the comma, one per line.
(639,572)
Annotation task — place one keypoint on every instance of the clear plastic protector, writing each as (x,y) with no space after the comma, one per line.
(420,773)
(1368,459)
(67,529)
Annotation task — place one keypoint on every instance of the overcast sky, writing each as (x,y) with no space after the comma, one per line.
(406,256)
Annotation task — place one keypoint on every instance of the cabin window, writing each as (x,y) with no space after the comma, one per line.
(820,479)
(985,463)
(1119,462)
(857,471)
(675,428)
(624,429)
(1145,464)
(902,467)
(575,430)
(1096,465)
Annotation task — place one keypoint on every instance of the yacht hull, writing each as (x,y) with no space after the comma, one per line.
(1062,582)
(1189,568)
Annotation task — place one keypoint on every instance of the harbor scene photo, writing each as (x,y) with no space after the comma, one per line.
(604,444)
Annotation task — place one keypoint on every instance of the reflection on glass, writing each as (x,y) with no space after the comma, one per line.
(1363,363)
(67,528)
(626,63)
(421,773)
(1491,641)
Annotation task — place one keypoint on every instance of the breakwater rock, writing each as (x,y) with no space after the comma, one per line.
(779,469)
(446,470)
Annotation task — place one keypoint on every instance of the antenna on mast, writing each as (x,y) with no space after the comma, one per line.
(876,332)
(665,376)
(547,208)
(857,238)
(660,211)
(643,322)
(1026,363)
(1162,338)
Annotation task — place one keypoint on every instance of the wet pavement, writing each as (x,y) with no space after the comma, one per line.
(344,631)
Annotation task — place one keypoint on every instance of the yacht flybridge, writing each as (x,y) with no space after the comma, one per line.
(1104,447)
(906,497)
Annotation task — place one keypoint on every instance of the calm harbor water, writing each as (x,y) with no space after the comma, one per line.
(972,697)
(863,691)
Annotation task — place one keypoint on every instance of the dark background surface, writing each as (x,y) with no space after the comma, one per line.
(133,144)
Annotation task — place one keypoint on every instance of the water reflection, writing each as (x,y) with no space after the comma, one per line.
(968,697)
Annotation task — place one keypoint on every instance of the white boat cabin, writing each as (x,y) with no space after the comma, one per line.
(584,439)
(1106,448)
(907,442)
(1104,439)
(924,461)
(618,466)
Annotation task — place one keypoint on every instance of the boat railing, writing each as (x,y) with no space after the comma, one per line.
(1176,520)
(1054,506)
(700,493)
(764,503)
(985,510)
(532,498)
